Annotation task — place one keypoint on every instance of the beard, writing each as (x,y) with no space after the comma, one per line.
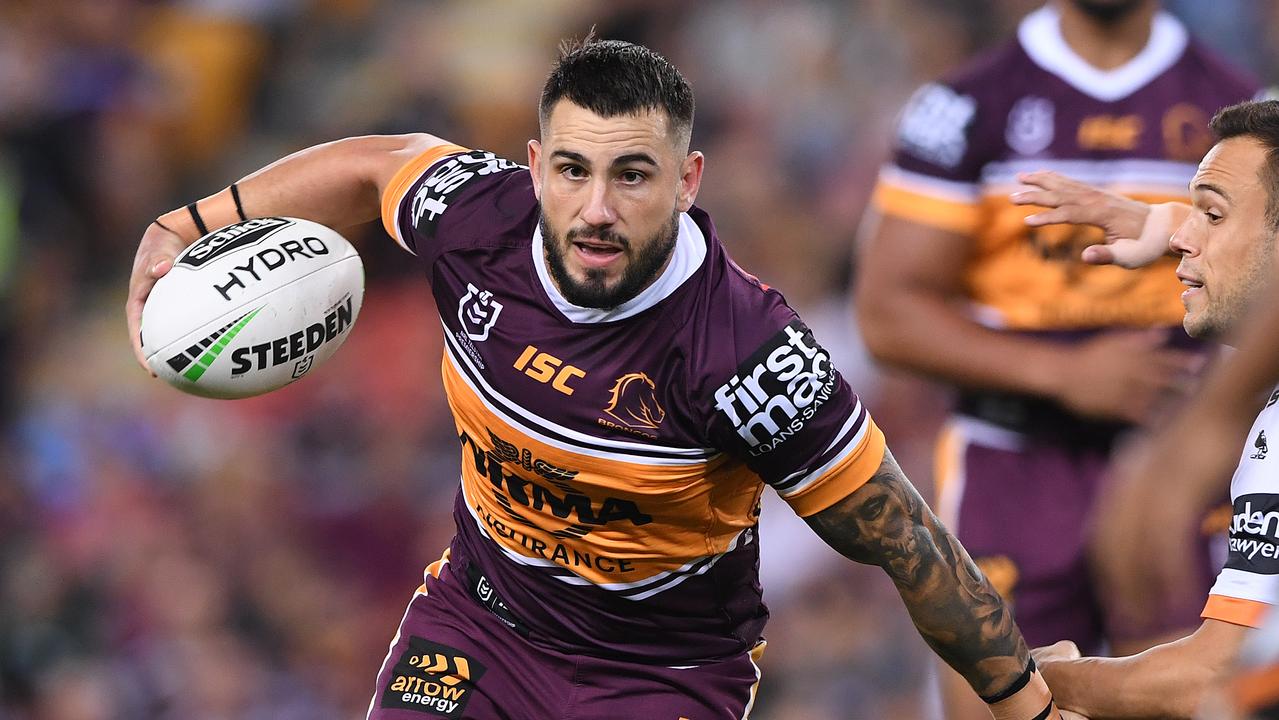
(1226,312)
(1108,12)
(595,291)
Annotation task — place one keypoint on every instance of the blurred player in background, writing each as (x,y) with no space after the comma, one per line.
(1229,247)
(622,394)
(1053,358)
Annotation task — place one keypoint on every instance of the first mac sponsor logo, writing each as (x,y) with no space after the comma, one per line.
(1254,534)
(778,389)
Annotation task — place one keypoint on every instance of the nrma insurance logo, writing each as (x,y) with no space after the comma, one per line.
(1254,534)
(778,389)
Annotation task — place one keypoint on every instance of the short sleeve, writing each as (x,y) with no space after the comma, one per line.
(1248,586)
(934,174)
(422,191)
(789,414)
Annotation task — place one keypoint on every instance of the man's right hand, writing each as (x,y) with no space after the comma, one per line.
(1123,375)
(1136,234)
(155,257)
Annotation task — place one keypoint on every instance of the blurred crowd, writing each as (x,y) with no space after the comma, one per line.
(163,556)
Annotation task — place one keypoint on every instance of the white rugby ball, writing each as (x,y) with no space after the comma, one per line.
(252,307)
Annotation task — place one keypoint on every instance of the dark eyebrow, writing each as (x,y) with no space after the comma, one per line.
(569,155)
(635,158)
(1212,188)
(622,160)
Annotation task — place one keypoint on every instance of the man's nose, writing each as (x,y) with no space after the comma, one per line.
(1185,241)
(599,208)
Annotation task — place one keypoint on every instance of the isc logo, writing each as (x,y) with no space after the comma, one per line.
(546,368)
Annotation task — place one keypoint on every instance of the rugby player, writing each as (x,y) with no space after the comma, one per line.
(1053,358)
(622,392)
(1228,245)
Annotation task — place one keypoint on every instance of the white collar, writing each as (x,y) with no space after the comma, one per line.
(690,251)
(1040,36)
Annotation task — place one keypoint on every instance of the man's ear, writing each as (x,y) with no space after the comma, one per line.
(690,180)
(535,167)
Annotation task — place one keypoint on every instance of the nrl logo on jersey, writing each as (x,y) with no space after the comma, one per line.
(478,311)
(1030,125)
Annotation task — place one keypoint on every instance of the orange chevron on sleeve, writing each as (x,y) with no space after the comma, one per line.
(1237,611)
(405,177)
(858,467)
(957,217)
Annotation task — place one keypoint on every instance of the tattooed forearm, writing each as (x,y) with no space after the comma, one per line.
(957,612)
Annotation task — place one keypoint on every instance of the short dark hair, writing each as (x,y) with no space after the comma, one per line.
(612,77)
(1258,120)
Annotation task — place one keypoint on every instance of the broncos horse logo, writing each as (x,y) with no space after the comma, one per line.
(634,402)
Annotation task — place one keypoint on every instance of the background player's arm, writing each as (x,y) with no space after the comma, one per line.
(886,523)
(1166,681)
(910,304)
(338,184)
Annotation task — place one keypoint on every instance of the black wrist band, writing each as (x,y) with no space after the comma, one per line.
(199,221)
(162,225)
(1013,689)
(235,195)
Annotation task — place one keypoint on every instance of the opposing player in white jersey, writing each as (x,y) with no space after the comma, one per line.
(1229,245)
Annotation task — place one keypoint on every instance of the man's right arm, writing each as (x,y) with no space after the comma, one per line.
(338,184)
(1166,681)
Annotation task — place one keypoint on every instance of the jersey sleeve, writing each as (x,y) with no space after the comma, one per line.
(934,173)
(1248,586)
(423,190)
(789,414)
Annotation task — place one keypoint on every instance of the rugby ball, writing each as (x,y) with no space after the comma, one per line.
(252,307)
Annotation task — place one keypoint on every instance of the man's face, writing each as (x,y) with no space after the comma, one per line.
(611,190)
(1109,11)
(1227,250)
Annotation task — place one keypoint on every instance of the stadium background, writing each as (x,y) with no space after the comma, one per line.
(163,556)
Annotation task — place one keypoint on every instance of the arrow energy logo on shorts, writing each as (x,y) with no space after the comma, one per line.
(1254,534)
(778,389)
(432,678)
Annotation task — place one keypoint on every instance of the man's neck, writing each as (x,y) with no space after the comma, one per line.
(1106,46)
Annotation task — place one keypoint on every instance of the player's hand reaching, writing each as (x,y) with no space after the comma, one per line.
(1136,234)
(155,257)
(1046,657)
(1058,651)
(1123,375)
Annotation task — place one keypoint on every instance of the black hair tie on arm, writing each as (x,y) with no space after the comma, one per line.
(199,221)
(239,208)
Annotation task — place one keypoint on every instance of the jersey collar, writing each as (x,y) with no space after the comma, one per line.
(1040,36)
(689,254)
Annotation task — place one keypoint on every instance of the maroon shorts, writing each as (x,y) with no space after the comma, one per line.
(1021,507)
(454,658)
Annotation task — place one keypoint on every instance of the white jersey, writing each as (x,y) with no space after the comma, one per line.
(1248,585)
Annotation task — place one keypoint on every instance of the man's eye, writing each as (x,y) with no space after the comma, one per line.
(573,172)
(632,176)
(1213,218)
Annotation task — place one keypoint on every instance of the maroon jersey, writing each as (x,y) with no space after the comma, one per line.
(1034,104)
(613,460)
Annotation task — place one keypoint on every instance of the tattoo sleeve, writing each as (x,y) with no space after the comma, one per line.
(958,613)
